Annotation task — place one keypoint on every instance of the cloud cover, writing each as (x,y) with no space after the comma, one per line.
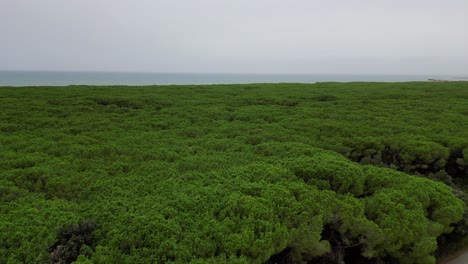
(242,36)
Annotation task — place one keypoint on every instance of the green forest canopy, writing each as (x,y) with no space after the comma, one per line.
(233,173)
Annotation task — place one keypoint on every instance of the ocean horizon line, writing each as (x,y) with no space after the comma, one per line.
(234,73)
(65,78)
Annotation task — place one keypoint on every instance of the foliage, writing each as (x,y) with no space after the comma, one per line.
(73,240)
(233,173)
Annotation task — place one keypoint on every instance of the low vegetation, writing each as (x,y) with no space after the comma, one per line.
(260,173)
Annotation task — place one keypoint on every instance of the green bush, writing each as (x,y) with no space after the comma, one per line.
(264,173)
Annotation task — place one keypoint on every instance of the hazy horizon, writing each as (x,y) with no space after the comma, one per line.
(242,37)
(228,73)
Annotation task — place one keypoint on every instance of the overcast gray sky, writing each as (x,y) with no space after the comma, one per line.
(236,36)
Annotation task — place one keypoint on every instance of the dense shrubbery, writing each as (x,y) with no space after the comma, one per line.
(239,173)
(72,241)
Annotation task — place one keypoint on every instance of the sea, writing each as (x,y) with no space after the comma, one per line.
(50,78)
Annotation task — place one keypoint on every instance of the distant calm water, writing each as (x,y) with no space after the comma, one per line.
(11,78)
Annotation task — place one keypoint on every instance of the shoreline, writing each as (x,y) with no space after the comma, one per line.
(213,84)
